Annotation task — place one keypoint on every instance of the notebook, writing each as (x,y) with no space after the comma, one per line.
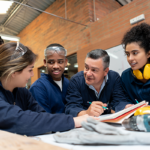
(123,114)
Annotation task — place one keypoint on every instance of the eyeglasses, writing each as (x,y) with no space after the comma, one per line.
(53,49)
(19,51)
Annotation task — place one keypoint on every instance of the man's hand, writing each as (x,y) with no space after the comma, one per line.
(95,109)
(128,105)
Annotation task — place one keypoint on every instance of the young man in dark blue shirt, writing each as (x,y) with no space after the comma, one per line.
(91,91)
(50,89)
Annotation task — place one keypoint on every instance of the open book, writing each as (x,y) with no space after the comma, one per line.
(123,114)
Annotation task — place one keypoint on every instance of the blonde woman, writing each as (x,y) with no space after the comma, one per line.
(19,112)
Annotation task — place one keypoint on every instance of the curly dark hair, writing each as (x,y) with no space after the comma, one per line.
(1,41)
(139,34)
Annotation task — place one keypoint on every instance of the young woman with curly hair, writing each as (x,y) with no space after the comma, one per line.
(136,80)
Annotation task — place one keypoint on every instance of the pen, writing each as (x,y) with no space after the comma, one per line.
(102,106)
(136,101)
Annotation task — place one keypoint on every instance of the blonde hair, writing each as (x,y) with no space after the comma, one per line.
(8,65)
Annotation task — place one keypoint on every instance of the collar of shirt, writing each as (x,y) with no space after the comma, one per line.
(102,86)
(50,78)
(59,83)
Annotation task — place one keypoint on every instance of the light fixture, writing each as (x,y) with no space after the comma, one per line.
(68,64)
(76,65)
(43,70)
(4,6)
(9,37)
(66,68)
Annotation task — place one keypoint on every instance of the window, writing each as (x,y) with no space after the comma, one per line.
(72,67)
(41,70)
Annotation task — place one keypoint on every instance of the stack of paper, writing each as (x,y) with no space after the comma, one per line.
(123,114)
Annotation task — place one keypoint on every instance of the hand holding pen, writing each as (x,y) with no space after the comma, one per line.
(96,108)
(102,106)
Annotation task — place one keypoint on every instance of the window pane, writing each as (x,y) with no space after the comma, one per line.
(42,70)
(72,66)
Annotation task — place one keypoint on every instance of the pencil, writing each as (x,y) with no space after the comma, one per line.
(136,101)
(102,106)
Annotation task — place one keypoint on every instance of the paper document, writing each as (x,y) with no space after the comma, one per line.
(123,114)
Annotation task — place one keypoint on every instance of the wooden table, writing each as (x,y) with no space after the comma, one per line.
(10,141)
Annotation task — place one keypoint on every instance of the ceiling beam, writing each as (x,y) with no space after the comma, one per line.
(123,2)
(9,31)
(129,1)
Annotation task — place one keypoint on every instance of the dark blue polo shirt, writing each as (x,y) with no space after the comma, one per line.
(79,94)
(48,94)
(26,117)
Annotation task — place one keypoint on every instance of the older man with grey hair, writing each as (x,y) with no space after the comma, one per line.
(96,90)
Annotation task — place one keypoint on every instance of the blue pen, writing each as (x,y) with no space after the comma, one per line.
(136,101)
(102,106)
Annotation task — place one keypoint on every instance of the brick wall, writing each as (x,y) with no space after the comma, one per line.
(102,8)
(109,31)
(47,29)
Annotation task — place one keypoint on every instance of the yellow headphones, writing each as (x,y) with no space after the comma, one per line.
(146,73)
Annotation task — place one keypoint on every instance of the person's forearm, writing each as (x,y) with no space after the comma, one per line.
(81,113)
